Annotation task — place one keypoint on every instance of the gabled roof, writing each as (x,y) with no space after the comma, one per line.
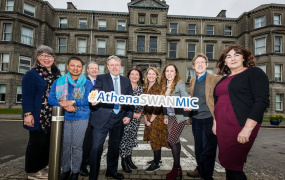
(148,4)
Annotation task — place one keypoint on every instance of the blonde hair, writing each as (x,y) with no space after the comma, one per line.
(146,83)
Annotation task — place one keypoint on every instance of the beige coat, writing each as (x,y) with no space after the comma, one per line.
(211,81)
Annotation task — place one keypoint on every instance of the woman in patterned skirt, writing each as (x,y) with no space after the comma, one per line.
(175,118)
(129,139)
(155,130)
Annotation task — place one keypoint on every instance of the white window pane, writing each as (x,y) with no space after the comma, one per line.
(122,70)
(61,67)
(19,89)
(27,36)
(2,88)
(101,69)
(82,45)
(263,67)
(24,64)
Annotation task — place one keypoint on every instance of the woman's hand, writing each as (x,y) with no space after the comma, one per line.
(165,121)
(214,128)
(66,103)
(29,121)
(243,136)
(187,109)
(137,115)
(147,123)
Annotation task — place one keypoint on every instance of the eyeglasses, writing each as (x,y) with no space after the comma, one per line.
(197,63)
(46,56)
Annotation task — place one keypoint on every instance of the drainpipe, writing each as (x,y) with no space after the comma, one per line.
(91,35)
(201,38)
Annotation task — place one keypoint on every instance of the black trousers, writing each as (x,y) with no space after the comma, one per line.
(37,153)
(115,128)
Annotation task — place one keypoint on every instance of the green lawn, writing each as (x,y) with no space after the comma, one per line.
(10,111)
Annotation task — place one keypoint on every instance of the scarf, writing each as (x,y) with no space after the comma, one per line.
(62,87)
(46,109)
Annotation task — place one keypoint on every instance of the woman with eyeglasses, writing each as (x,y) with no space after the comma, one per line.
(71,93)
(36,85)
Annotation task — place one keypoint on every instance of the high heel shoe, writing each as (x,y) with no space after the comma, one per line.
(174,173)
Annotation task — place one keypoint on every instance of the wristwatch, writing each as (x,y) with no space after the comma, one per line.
(27,114)
(73,102)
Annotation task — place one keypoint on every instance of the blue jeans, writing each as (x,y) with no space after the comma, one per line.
(205,146)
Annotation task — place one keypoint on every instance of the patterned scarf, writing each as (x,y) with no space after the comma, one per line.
(62,87)
(46,109)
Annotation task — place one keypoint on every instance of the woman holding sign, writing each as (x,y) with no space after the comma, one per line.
(129,139)
(155,130)
(71,93)
(241,97)
(175,118)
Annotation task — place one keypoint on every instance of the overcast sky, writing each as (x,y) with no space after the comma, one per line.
(209,8)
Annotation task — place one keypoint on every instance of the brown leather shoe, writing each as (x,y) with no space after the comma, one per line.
(193,173)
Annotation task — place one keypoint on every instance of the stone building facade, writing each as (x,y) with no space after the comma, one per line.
(144,36)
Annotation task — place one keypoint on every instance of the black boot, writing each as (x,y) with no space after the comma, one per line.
(74,176)
(65,175)
(153,167)
(130,162)
(125,166)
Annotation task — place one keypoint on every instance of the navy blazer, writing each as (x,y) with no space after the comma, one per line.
(103,111)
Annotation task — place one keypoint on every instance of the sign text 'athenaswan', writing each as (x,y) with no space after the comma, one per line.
(143,99)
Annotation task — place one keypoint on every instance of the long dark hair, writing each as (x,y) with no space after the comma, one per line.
(249,60)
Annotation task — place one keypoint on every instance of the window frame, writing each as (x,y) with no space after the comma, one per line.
(189,29)
(171,51)
(173,30)
(153,16)
(3,93)
(120,49)
(281,101)
(81,24)
(210,32)
(207,53)
(100,27)
(141,18)
(189,74)
(261,47)
(78,47)
(25,58)
(5,33)
(153,44)
(120,26)
(30,38)
(261,23)
(188,51)
(138,43)
(280,45)
(7,7)
(62,70)
(60,46)
(62,24)
(98,48)
(101,69)
(229,31)
(19,102)
(1,61)
(32,14)
(280,73)
(279,20)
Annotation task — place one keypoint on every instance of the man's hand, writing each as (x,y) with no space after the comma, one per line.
(29,121)
(187,109)
(126,120)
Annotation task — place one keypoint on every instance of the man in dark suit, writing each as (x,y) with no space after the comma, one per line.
(109,118)
(93,71)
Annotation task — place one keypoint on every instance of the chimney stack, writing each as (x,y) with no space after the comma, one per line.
(70,5)
(222,13)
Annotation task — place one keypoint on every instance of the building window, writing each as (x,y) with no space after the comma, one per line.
(61,67)
(19,94)
(153,44)
(9,5)
(191,29)
(141,18)
(27,36)
(210,51)
(173,28)
(191,51)
(277,19)
(263,67)
(277,44)
(29,9)
(102,24)
(63,22)
(7,31)
(122,70)
(5,62)
(259,22)
(260,46)
(141,42)
(121,48)
(62,45)
(278,72)
(24,64)
(82,46)
(101,47)
(153,19)
(101,69)
(279,102)
(172,50)
(228,30)
(82,23)
(121,25)
(190,74)
(210,30)
(210,70)
(2,93)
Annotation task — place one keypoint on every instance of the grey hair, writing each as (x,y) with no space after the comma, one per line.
(43,49)
(113,57)
(92,62)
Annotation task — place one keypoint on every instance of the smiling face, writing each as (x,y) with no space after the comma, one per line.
(93,70)
(114,66)
(134,76)
(170,73)
(75,68)
(151,76)
(234,60)
(200,66)
(46,60)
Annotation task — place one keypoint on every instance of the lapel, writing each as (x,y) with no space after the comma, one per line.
(207,83)
(110,81)
(192,86)
(121,84)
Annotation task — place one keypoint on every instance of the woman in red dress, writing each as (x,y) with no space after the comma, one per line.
(244,95)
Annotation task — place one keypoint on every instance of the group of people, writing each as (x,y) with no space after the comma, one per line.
(231,108)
